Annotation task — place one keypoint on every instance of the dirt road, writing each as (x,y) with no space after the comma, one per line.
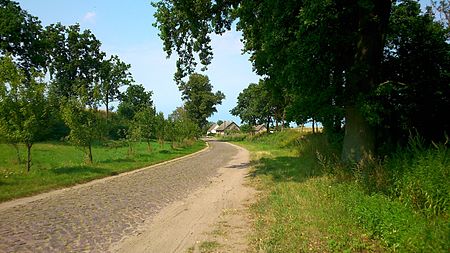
(165,208)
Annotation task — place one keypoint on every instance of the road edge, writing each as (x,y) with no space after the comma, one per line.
(39,196)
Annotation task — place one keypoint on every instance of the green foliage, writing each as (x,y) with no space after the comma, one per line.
(199,100)
(22,106)
(328,60)
(85,126)
(113,74)
(21,36)
(181,130)
(397,226)
(416,66)
(161,128)
(133,100)
(74,63)
(253,105)
(185,28)
(421,178)
(145,121)
(246,128)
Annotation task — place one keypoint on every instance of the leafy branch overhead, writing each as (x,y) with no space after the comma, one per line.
(327,61)
(185,27)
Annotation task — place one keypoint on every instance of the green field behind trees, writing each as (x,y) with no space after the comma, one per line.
(310,201)
(57,165)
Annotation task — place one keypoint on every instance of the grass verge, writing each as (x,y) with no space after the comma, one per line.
(55,165)
(305,206)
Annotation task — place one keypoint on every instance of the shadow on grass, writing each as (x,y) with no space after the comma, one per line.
(79,170)
(3,183)
(287,168)
(117,160)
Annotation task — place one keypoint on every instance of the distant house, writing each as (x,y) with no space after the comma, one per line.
(259,129)
(227,126)
(212,129)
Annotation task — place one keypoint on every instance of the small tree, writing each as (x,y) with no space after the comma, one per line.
(160,128)
(145,120)
(84,126)
(182,127)
(113,74)
(22,106)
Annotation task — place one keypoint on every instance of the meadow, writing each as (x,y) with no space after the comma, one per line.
(57,165)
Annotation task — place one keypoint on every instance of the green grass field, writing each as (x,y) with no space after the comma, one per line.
(55,165)
(305,208)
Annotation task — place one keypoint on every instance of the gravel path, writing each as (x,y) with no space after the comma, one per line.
(91,218)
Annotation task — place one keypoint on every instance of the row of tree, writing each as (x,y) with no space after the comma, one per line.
(55,79)
(370,71)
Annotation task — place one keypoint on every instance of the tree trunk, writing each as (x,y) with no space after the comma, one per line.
(268,124)
(359,140)
(107,109)
(283,120)
(313,129)
(373,19)
(90,153)
(29,145)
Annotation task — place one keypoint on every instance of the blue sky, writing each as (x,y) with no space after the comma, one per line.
(125,29)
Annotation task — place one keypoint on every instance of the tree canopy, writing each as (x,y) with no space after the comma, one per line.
(253,105)
(199,100)
(66,103)
(326,60)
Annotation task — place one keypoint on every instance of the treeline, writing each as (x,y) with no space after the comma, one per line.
(372,72)
(54,81)
(410,95)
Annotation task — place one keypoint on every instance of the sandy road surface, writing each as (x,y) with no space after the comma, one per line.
(185,224)
(95,217)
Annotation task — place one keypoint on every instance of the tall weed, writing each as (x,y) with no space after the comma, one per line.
(422,177)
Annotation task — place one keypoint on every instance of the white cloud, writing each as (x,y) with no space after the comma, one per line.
(89,17)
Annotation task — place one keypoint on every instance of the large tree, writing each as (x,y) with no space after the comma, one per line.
(134,99)
(113,74)
(75,61)
(318,41)
(199,100)
(415,95)
(254,105)
(21,36)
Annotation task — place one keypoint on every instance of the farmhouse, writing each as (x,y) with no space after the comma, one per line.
(226,127)
(259,129)
(212,129)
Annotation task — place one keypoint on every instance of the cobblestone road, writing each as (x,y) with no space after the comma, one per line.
(91,218)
